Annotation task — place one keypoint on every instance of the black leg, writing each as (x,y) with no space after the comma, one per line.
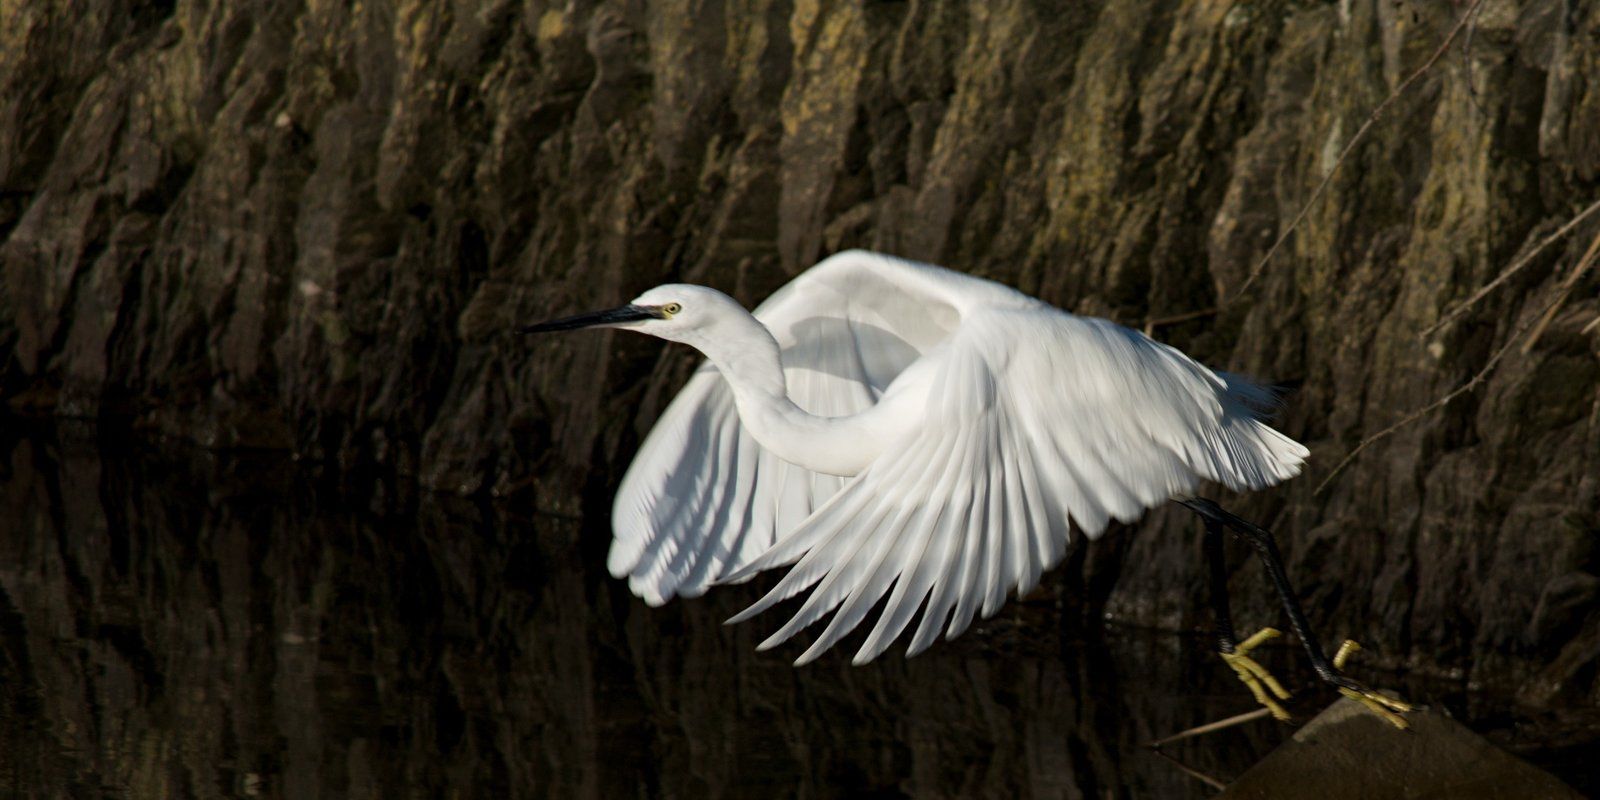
(1234,653)
(1220,611)
(1267,550)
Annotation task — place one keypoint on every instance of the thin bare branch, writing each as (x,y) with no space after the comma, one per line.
(1150,325)
(1476,381)
(1515,267)
(1192,772)
(1350,146)
(1567,286)
(1221,724)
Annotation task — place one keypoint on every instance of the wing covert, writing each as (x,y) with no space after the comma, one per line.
(1089,422)
(701,496)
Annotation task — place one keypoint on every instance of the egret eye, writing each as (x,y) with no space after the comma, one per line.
(671,308)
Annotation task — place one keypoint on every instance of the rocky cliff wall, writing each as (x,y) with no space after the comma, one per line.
(314,226)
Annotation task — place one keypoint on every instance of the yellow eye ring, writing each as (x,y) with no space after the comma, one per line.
(671,308)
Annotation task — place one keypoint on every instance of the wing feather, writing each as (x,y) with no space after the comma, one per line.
(1035,421)
(702,498)
(1091,422)
(848,558)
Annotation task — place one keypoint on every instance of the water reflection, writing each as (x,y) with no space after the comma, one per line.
(180,624)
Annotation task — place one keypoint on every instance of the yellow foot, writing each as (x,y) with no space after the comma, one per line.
(1256,676)
(1387,708)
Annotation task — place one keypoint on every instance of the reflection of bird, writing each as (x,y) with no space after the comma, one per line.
(895,428)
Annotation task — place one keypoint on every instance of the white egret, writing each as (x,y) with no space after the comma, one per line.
(885,427)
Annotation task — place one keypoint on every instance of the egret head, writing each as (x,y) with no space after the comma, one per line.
(676,311)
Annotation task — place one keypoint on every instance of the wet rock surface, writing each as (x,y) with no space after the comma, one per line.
(312,227)
(1347,752)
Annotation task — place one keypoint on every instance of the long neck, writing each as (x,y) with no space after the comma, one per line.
(744,351)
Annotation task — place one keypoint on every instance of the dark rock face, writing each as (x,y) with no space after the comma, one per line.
(313,227)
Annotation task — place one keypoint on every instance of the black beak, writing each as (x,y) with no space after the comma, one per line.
(628,313)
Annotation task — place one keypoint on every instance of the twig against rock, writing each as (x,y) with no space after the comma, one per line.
(1566,291)
(1372,118)
(1221,724)
(1192,772)
(1505,274)
(1476,381)
(1150,325)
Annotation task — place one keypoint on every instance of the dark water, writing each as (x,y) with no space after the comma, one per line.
(180,624)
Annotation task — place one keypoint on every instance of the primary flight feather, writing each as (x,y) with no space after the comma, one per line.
(885,427)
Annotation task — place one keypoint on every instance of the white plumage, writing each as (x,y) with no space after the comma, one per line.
(929,436)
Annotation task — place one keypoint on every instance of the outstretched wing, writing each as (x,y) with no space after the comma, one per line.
(1035,418)
(702,496)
